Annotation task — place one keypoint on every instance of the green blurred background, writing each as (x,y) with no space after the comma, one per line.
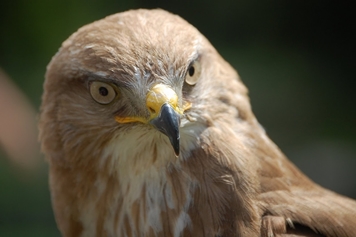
(296,57)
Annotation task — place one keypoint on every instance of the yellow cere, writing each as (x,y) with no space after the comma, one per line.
(158,95)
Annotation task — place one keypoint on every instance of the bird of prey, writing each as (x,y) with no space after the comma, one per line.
(149,132)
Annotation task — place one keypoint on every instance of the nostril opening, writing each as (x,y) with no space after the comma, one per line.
(151,110)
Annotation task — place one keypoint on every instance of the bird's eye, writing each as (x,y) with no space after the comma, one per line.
(193,73)
(101,92)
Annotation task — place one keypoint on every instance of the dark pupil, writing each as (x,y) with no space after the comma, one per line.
(191,71)
(103,91)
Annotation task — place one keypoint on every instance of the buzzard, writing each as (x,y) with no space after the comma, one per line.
(149,132)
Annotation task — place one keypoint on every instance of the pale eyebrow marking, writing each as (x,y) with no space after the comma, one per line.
(96,77)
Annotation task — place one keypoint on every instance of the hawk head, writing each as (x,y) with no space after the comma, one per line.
(137,83)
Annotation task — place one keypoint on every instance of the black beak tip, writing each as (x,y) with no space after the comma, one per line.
(176,148)
(167,123)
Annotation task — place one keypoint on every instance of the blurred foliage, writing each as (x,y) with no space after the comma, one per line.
(296,57)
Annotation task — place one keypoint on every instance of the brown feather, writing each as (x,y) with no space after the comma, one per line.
(111,179)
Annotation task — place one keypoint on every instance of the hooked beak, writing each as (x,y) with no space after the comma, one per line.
(162,103)
(167,122)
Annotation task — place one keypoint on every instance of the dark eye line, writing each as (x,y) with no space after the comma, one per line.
(109,81)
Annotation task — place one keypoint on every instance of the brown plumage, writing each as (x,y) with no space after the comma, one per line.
(149,132)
